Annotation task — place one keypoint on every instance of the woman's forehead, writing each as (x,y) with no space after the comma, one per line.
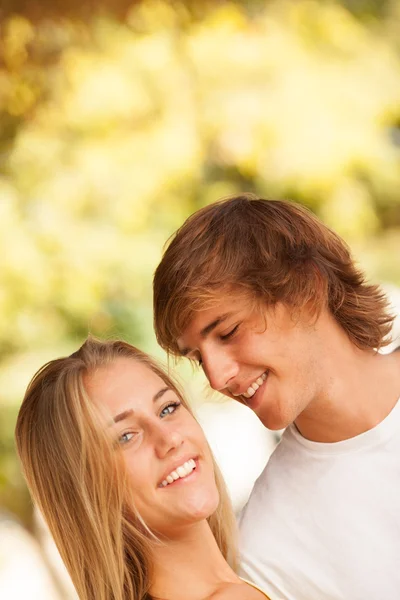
(121,380)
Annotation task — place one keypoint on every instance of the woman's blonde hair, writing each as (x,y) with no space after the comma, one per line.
(75,477)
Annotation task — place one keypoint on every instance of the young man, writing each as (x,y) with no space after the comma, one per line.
(269,302)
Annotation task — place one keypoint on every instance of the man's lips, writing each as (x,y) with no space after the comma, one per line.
(250,390)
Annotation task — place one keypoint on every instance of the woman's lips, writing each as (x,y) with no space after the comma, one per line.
(184,480)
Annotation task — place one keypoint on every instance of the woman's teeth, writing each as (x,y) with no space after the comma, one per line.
(179,473)
(254,386)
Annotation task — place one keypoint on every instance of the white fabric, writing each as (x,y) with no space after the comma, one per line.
(323,520)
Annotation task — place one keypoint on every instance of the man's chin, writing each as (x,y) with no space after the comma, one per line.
(274,422)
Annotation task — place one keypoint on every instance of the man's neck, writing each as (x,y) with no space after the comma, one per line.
(361,392)
(192,557)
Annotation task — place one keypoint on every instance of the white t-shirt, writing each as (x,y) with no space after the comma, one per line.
(323,520)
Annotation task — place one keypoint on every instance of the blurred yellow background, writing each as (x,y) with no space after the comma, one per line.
(118,119)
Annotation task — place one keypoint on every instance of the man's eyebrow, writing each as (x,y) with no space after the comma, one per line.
(127,413)
(207,330)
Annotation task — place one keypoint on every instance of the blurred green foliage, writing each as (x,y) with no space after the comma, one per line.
(119,119)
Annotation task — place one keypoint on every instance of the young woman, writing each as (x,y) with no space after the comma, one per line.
(126,481)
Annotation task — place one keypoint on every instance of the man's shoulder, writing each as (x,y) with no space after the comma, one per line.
(279,478)
(284,452)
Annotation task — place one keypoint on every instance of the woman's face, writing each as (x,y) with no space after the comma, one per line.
(164,448)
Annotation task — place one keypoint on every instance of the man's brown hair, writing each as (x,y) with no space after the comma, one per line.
(276,250)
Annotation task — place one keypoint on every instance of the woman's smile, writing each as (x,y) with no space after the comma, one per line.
(186,472)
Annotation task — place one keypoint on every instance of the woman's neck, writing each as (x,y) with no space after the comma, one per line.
(190,566)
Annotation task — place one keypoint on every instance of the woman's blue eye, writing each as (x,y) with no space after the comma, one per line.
(125,438)
(230,333)
(169,409)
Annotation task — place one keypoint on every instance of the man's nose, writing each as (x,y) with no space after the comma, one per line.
(167,438)
(220,370)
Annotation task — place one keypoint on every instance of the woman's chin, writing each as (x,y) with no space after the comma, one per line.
(198,508)
(201,506)
(187,510)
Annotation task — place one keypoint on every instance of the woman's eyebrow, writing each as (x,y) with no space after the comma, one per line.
(160,393)
(127,413)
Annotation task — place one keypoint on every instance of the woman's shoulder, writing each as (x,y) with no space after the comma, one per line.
(238,591)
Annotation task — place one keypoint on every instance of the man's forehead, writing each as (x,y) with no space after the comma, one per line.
(200,327)
(204,321)
(213,310)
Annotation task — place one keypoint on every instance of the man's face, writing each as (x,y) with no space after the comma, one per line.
(264,358)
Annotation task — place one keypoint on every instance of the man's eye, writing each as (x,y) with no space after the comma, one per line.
(169,409)
(230,333)
(125,438)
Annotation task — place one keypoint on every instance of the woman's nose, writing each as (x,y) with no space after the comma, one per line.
(166,438)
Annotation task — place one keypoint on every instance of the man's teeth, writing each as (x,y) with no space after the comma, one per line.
(254,386)
(180,473)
